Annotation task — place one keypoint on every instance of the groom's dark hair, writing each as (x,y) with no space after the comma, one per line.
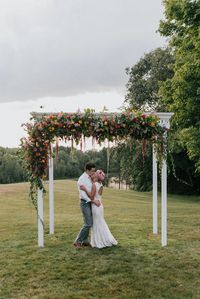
(89,166)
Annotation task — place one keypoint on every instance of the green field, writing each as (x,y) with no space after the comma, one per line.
(137,268)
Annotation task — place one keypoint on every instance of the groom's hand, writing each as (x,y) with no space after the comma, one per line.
(82,187)
(97,202)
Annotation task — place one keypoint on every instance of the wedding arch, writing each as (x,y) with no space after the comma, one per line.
(47,128)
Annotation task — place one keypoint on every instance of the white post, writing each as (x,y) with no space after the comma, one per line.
(164,203)
(51,194)
(40,218)
(165,122)
(155,197)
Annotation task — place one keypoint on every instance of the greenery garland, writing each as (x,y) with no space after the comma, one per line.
(46,128)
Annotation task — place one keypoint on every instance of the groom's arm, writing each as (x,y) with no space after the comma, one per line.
(83,188)
(91,194)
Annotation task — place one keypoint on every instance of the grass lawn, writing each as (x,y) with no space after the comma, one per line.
(137,268)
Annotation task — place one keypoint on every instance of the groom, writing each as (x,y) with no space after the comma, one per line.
(85,204)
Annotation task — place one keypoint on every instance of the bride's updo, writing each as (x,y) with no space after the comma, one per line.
(100,175)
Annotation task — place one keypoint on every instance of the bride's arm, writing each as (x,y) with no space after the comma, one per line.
(93,199)
(93,191)
(100,190)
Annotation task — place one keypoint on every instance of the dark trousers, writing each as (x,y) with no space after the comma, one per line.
(87,218)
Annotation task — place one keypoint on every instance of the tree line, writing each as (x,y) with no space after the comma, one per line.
(125,162)
(68,163)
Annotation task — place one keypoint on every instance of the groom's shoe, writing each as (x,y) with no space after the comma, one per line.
(78,245)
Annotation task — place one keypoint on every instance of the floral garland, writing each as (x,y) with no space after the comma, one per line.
(46,128)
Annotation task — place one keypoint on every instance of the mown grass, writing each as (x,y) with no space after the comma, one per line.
(137,268)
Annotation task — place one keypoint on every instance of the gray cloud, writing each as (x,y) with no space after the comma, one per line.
(65,47)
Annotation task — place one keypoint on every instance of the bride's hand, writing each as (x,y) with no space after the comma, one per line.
(97,202)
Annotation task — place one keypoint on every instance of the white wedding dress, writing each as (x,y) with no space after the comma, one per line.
(100,235)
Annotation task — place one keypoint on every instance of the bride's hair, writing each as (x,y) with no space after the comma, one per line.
(100,174)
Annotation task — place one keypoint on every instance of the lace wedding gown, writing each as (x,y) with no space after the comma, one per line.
(101,235)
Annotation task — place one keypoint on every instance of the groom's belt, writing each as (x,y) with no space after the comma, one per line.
(85,200)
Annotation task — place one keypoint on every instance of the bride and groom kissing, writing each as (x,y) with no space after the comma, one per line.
(90,188)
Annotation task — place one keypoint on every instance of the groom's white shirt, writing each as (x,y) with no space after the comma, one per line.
(86,181)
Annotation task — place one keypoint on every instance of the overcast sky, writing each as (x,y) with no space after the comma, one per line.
(69,54)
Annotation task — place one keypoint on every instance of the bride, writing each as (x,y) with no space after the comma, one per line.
(101,235)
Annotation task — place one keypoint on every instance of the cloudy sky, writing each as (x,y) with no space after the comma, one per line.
(66,55)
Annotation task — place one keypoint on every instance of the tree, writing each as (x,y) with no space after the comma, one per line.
(181,93)
(11,170)
(143,85)
(145,78)
(132,166)
(168,80)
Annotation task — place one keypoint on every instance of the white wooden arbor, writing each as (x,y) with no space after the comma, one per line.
(165,122)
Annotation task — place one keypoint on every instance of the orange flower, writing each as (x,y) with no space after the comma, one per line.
(152,124)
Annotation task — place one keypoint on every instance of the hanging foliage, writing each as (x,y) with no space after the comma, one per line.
(46,128)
